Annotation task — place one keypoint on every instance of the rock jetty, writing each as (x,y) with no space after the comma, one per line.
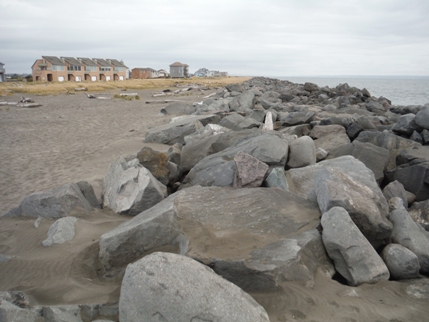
(266,183)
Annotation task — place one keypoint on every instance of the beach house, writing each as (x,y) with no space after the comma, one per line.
(52,68)
(144,73)
(179,70)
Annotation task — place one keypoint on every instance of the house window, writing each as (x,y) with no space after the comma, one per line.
(57,67)
(90,68)
(105,69)
(119,69)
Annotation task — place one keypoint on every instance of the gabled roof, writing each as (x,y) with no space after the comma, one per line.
(178,64)
(102,62)
(147,68)
(87,61)
(72,61)
(54,60)
(116,63)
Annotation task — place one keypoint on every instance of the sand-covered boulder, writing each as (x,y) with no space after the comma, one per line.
(61,231)
(170,287)
(13,313)
(178,108)
(354,257)
(256,223)
(55,203)
(70,313)
(129,188)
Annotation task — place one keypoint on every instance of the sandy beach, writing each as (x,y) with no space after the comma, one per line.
(72,138)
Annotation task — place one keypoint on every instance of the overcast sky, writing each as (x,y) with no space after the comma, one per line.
(243,37)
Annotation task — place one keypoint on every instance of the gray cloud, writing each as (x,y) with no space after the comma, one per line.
(243,37)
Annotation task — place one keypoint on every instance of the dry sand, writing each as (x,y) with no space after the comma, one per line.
(72,138)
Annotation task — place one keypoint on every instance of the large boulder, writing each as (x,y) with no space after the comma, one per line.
(69,313)
(175,132)
(329,137)
(178,108)
(354,257)
(335,188)
(55,203)
(405,125)
(219,168)
(256,224)
(250,171)
(170,287)
(407,233)
(129,188)
(422,117)
(243,103)
(302,152)
(396,189)
(401,262)
(374,157)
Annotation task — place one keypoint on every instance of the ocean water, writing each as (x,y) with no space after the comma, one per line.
(400,90)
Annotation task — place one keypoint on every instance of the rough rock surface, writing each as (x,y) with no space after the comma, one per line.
(54,203)
(302,152)
(401,262)
(250,171)
(130,188)
(61,231)
(354,257)
(170,287)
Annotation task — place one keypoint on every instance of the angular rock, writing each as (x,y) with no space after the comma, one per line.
(170,287)
(61,231)
(321,154)
(354,257)
(297,118)
(178,108)
(234,88)
(130,188)
(353,130)
(277,179)
(407,233)
(329,137)
(335,188)
(425,136)
(374,157)
(232,121)
(250,171)
(88,192)
(405,125)
(202,220)
(419,211)
(422,118)
(219,169)
(55,203)
(416,137)
(311,87)
(396,189)
(418,288)
(302,152)
(12,313)
(243,103)
(401,262)
(156,163)
(62,313)
(175,132)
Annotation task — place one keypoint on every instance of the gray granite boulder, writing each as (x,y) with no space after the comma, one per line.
(409,234)
(375,158)
(219,168)
(335,188)
(250,171)
(175,132)
(396,189)
(55,203)
(62,313)
(200,221)
(329,137)
(422,117)
(130,188)
(61,231)
(88,192)
(401,262)
(232,121)
(170,287)
(297,118)
(354,257)
(178,108)
(277,179)
(405,125)
(302,152)
(243,103)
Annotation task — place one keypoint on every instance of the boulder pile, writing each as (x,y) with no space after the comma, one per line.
(265,182)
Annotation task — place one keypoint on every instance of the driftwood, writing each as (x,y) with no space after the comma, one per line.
(165,101)
(128,94)
(97,97)
(8,103)
(28,105)
(212,94)
(26,100)
(81,89)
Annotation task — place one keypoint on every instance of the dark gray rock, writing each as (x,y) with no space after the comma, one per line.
(374,157)
(231,121)
(269,99)
(396,189)
(407,233)
(311,87)
(250,171)
(302,152)
(129,188)
(61,231)
(425,136)
(243,103)
(277,179)
(354,257)
(234,88)
(54,203)
(419,211)
(405,125)
(297,118)
(416,137)
(170,287)
(298,130)
(335,188)
(401,262)
(353,130)
(178,108)
(88,192)
(329,137)
(422,117)
(219,168)
(375,107)
(175,132)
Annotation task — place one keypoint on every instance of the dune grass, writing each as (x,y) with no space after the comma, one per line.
(45,88)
